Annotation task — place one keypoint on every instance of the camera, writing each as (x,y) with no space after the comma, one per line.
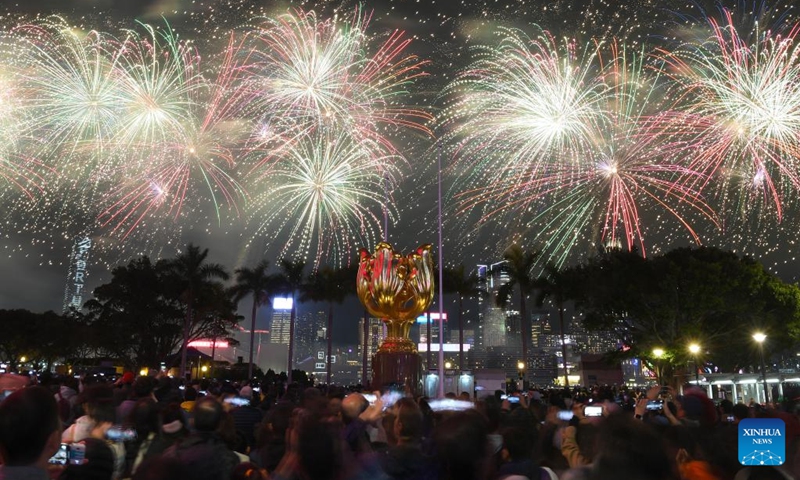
(513,399)
(565,415)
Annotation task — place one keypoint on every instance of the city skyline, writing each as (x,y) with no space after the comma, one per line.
(40,245)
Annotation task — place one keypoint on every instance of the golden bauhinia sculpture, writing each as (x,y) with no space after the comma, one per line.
(396,289)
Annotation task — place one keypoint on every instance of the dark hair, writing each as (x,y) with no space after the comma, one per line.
(99,464)
(207,414)
(160,467)
(462,446)
(27,419)
(320,448)
(190,394)
(143,386)
(740,411)
(632,447)
(516,441)
(144,417)
(410,417)
(100,400)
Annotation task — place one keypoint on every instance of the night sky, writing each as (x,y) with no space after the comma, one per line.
(444,32)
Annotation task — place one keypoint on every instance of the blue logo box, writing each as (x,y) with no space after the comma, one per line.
(762,441)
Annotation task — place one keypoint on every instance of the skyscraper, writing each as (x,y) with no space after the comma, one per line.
(76,278)
(310,333)
(281,317)
(376,334)
(497,339)
(422,322)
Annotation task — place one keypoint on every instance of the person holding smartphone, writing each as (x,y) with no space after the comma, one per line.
(97,461)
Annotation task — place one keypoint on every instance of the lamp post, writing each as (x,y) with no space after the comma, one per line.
(521,370)
(759,337)
(658,353)
(695,349)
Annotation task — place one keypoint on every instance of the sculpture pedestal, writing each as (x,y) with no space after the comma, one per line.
(398,368)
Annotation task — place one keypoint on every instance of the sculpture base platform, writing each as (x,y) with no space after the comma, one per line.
(398,369)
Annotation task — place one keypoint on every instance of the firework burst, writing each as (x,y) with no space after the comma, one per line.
(312,72)
(326,193)
(590,183)
(736,116)
(523,104)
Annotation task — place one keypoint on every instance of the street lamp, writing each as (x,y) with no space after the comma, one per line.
(695,349)
(759,337)
(521,370)
(448,365)
(658,353)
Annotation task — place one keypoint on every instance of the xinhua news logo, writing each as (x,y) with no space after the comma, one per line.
(762,441)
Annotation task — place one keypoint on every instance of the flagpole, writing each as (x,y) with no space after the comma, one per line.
(441,288)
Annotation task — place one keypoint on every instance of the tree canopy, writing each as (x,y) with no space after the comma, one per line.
(703,295)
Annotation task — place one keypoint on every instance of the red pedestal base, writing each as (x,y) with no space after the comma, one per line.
(397,368)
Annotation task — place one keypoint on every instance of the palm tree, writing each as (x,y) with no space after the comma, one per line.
(291,281)
(555,284)
(457,281)
(261,285)
(518,265)
(215,315)
(330,286)
(193,274)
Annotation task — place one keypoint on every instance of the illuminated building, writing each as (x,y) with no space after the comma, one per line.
(375,335)
(281,318)
(76,277)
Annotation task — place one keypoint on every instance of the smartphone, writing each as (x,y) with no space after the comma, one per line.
(77,453)
(655,405)
(503,397)
(237,401)
(390,397)
(731,418)
(513,399)
(565,415)
(593,411)
(119,434)
(256,389)
(371,398)
(61,455)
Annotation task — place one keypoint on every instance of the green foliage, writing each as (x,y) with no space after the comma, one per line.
(139,316)
(703,295)
(40,337)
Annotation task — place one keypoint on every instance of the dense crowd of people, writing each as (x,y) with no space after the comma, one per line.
(158,428)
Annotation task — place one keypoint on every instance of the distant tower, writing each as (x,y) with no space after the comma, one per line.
(377,332)
(309,334)
(76,278)
(281,317)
